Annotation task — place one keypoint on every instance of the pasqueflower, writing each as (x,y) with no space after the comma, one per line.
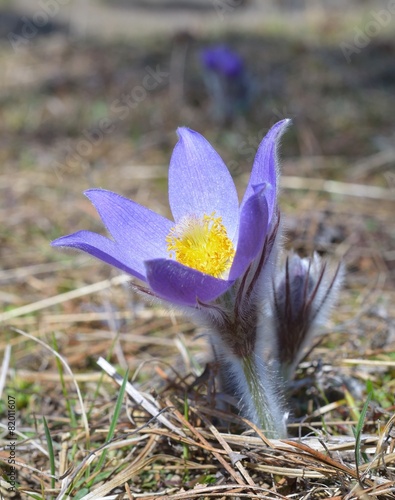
(211,242)
(216,258)
(229,86)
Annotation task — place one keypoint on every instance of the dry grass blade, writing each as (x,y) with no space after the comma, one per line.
(23,465)
(138,464)
(258,431)
(63,297)
(4,368)
(385,436)
(306,471)
(378,461)
(235,475)
(335,187)
(52,376)
(225,491)
(138,397)
(34,442)
(235,458)
(187,440)
(75,473)
(21,273)
(320,457)
(368,362)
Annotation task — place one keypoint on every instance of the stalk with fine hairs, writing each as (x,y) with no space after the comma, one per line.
(237,322)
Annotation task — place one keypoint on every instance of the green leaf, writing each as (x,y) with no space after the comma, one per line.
(358,431)
(50,452)
(81,493)
(111,430)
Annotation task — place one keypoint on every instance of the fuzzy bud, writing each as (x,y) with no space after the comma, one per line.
(302,300)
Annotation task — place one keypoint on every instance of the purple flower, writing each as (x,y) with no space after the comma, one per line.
(212,241)
(222,60)
(229,86)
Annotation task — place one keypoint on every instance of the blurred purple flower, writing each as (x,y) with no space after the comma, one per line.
(213,240)
(229,87)
(223,60)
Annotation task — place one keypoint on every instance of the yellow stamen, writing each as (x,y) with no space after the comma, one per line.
(202,244)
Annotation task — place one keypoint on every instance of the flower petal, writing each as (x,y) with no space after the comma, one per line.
(183,285)
(135,228)
(254,218)
(265,168)
(200,183)
(104,249)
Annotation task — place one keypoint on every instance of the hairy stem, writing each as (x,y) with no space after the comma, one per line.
(263,405)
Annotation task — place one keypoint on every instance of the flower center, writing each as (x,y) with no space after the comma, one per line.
(202,244)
